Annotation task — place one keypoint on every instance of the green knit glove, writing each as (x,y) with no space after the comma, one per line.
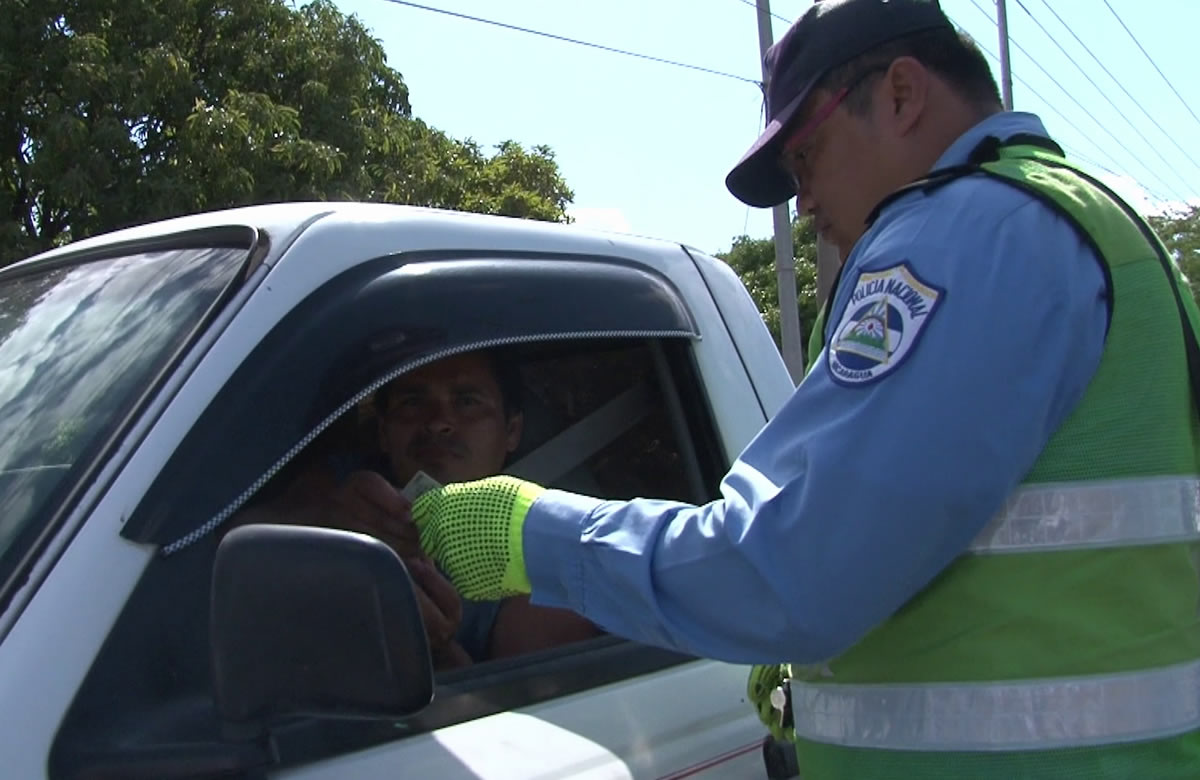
(763,681)
(472,530)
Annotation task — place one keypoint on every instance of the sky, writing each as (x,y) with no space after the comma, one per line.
(646,146)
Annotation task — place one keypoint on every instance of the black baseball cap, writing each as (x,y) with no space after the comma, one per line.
(829,34)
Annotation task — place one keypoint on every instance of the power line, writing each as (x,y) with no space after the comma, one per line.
(1067,92)
(1148,142)
(754,5)
(1096,163)
(1152,62)
(1098,61)
(1029,87)
(578,42)
(762,115)
(1158,195)
(1086,48)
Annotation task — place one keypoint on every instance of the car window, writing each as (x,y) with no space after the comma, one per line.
(79,344)
(369,323)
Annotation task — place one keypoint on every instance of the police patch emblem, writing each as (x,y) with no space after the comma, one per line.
(881,324)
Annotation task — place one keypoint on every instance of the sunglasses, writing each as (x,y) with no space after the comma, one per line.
(795,160)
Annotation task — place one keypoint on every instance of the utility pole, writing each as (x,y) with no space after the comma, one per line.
(785,261)
(1005,68)
(828,262)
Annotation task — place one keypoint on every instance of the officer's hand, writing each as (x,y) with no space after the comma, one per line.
(763,680)
(473,531)
(367,503)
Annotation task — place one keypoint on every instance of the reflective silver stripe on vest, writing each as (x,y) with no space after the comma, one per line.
(1072,515)
(1057,713)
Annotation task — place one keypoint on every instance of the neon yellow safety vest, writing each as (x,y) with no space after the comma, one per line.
(1066,642)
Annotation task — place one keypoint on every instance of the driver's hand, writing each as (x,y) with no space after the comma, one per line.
(452,656)
(367,503)
(441,607)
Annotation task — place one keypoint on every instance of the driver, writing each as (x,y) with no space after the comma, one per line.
(457,420)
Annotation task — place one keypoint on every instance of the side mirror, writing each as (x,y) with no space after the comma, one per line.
(316,622)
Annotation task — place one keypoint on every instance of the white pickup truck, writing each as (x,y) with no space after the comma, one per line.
(157,379)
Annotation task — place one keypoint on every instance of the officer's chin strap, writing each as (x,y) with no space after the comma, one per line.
(988,150)
(1190,344)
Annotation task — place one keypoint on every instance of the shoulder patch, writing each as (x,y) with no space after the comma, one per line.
(880,326)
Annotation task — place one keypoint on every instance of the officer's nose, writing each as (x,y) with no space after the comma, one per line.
(805,203)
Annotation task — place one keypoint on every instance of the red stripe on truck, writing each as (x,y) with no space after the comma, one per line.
(696,769)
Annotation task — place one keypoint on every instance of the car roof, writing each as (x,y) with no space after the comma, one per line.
(289,219)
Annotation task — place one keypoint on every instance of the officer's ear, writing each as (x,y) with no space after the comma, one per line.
(903,95)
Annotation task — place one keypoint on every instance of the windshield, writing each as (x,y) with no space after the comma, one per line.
(78,346)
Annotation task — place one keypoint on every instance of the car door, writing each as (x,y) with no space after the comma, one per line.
(620,347)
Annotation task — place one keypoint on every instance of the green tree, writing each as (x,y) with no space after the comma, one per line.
(1180,231)
(753,260)
(117,112)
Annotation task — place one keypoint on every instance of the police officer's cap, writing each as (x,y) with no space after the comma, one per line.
(829,34)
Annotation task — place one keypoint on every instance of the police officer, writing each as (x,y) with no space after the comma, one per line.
(972,530)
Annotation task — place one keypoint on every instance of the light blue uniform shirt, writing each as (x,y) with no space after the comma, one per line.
(860,490)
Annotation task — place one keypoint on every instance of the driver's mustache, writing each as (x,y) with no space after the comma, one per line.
(451,444)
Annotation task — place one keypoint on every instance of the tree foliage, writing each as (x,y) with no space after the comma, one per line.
(753,259)
(118,112)
(1180,231)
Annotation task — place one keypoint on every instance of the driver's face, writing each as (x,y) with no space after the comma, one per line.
(447,419)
